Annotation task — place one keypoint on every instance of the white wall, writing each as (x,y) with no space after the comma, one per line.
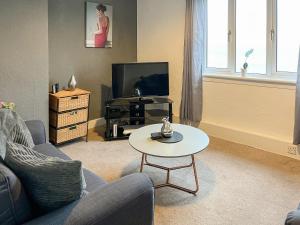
(160,28)
(252,113)
(24,70)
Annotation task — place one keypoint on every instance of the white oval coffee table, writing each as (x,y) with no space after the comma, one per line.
(194,141)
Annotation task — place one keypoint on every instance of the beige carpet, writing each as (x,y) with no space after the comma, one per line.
(239,185)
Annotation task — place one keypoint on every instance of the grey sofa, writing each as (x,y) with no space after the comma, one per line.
(293,217)
(128,201)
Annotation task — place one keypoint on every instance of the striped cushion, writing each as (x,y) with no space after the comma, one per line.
(21,135)
(13,128)
(49,181)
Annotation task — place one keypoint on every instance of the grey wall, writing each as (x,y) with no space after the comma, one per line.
(91,66)
(24,56)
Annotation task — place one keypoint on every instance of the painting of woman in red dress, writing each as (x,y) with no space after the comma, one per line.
(98,25)
(103,27)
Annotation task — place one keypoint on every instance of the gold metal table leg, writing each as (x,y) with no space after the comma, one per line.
(142,163)
(169,169)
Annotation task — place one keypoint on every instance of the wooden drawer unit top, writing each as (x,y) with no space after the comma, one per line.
(69,100)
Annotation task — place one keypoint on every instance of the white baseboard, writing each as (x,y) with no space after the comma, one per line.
(259,141)
(96,123)
(266,143)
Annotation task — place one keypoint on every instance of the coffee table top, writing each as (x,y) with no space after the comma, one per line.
(194,141)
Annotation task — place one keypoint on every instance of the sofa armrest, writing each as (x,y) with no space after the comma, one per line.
(293,218)
(128,201)
(37,130)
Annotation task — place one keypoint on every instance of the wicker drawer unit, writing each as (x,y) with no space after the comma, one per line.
(59,120)
(69,103)
(68,115)
(68,133)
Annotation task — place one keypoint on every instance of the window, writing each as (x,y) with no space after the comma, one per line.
(288,34)
(217,31)
(269,27)
(251,31)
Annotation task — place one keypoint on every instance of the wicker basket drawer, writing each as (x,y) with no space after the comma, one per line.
(68,118)
(69,133)
(69,103)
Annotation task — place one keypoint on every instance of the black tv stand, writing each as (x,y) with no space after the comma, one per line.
(132,113)
(146,100)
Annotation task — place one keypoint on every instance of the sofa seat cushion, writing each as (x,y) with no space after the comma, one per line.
(51,182)
(15,207)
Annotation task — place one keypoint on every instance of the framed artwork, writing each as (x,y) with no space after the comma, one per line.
(99,20)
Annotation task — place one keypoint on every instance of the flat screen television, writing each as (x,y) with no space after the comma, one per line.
(140,79)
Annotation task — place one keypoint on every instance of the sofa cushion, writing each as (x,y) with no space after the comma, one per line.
(51,182)
(92,180)
(15,207)
(13,128)
(20,134)
(293,218)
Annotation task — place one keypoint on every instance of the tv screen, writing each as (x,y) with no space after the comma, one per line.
(140,79)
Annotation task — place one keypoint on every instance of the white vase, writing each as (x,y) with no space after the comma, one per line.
(72,83)
(243,72)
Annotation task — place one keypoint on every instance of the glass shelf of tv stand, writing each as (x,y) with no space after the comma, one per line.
(121,112)
(146,100)
(149,114)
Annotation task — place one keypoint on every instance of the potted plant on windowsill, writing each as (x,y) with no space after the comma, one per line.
(245,65)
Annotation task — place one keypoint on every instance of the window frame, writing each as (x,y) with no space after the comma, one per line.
(271,44)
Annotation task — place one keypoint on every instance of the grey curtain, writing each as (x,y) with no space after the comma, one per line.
(194,44)
(297,108)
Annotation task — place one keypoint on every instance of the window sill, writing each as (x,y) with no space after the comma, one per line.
(291,80)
